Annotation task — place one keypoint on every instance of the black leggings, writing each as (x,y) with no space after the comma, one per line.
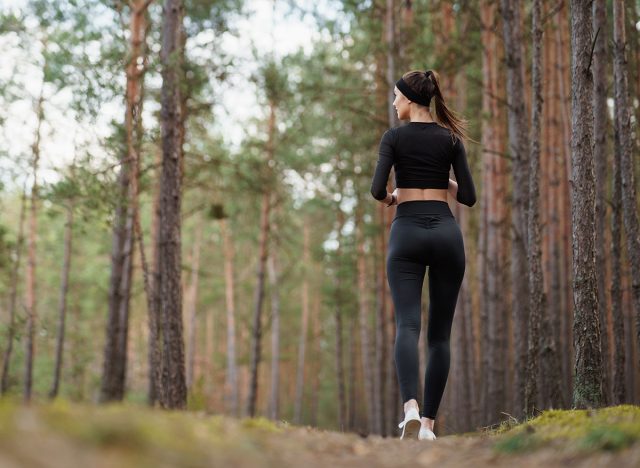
(424,233)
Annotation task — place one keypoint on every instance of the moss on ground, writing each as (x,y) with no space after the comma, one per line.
(611,428)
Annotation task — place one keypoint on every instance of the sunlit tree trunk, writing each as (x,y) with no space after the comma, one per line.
(228,248)
(115,352)
(30,289)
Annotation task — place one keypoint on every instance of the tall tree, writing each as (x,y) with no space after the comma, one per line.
(617,314)
(115,351)
(537,298)
(67,192)
(627,169)
(30,291)
(174,391)
(600,120)
(586,326)
(512,32)
(229,289)
(304,324)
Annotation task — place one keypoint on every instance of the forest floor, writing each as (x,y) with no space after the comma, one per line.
(63,434)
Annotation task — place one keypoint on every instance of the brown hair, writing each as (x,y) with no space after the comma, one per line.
(429,87)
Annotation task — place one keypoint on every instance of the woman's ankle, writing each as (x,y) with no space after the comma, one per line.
(411,404)
(427,422)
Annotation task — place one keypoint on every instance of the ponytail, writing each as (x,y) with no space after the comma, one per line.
(427,84)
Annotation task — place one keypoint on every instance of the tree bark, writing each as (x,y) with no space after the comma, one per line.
(153,294)
(627,169)
(520,190)
(115,352)
(232,371)
(274,404)
(30,289)
(586,326)
(193,305)
(600,116)
(304,324)
(364,311)
(265,226)
(537,297)
(617,314)
(62,304)
(174,392)
(340,374)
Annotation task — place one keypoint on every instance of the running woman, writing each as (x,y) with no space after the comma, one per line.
(423,233)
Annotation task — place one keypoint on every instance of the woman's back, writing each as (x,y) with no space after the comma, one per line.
(422,154)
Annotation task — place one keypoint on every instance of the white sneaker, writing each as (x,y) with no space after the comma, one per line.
(411,424)
(426,434)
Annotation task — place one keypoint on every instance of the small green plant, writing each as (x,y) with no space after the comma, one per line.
(521,441)
(606,438)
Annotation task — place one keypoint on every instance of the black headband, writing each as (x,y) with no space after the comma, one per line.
(410,93)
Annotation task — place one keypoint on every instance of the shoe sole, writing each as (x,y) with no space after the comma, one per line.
(411,430)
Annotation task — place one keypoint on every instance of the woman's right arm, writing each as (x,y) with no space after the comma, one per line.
(465,190)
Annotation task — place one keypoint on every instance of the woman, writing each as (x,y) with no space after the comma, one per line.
(423,233)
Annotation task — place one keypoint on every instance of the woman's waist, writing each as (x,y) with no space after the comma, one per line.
(427,207)
(417,194)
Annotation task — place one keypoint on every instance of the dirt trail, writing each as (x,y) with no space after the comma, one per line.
(119,436)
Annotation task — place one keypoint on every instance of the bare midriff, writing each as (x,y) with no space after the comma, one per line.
(410,194)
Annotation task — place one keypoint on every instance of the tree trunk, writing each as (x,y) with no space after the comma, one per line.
(115,353)
(304,325)
(520,190)
(364,311)
(586,326)
(274,406)
(174,392)
(537,298)
(62,304)
(600,116)
(352,376)
(317,362)
(193,305)
(229,289)
(265,225)
(340,375)
(564,207)
(6,362)
(153,295)
(617,314)
(623,127)
(30,290)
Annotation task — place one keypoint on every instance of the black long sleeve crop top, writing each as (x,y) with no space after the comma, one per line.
(422,153)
